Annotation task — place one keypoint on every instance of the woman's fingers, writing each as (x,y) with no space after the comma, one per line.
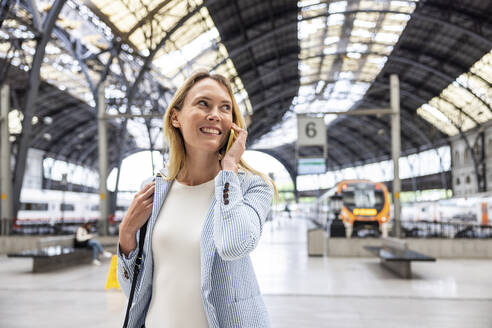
(148,201)
(146,188)
(149,192)
(146,192)
(143,199)
(242,133)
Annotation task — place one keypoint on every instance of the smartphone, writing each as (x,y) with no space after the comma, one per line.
(231,140)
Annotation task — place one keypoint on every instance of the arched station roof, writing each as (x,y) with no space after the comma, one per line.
(64,126)
(283,58)
(441,52)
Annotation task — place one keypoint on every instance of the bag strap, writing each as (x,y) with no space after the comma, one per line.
(136,270)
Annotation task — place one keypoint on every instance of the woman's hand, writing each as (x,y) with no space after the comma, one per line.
(233,155)
(137,214)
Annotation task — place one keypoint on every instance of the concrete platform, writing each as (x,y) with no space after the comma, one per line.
(15,244)
(299,291)
(435,247)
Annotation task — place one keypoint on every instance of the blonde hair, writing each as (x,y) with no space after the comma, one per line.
(177,153)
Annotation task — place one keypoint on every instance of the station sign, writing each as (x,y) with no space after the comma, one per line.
(311,145)
(311,166)
(311,131)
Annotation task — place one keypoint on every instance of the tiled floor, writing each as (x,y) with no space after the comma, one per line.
(299,291)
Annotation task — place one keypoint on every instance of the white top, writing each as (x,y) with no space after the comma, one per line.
(83,235)
(176,298)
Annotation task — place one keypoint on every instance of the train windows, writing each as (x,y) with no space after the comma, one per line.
(379,196)
(359,198)
(348,198)
(363,198)
(458,181)
(121,208)
(67,207)
(34,206)
(95,207)
(468,179)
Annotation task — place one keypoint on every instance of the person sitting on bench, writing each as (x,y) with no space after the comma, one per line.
(84,238)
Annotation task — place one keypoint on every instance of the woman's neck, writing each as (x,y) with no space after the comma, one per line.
(198,170)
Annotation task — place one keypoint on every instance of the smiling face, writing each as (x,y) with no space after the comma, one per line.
(205,117)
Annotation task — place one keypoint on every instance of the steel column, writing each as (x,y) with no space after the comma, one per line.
(103,162)
(396,149)
(6,176)
(32,95)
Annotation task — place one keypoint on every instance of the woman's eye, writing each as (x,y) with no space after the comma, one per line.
(227,107)
(202,102)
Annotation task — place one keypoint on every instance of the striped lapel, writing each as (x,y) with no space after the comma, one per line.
(207,251)
(161,189)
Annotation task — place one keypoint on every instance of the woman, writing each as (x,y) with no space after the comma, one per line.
(206,215)
(83,238)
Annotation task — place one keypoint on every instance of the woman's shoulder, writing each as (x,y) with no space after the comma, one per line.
(163,171)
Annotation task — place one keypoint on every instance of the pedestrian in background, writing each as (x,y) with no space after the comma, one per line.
(83,238)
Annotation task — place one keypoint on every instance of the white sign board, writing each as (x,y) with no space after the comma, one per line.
(311,166)
(311,131)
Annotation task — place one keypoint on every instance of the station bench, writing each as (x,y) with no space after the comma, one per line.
(55,253)
(395,256)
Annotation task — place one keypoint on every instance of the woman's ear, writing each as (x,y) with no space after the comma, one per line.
(174,118)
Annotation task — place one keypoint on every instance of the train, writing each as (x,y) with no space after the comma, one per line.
(366,210)
(473,209)
(365,206)
(54,207)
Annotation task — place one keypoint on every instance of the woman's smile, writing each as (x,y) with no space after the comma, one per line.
(210,131)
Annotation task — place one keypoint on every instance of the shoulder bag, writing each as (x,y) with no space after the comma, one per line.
(136,270)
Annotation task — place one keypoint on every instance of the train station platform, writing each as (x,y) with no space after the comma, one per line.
(299,291)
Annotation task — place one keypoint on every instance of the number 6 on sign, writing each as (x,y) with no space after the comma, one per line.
(311,131)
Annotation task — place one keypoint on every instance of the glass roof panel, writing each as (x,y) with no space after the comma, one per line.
(438,119)
(459,107)
(343,48)
(59,67)
(194,44)
(483,68)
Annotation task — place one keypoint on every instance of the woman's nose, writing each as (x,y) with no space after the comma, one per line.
(213,115)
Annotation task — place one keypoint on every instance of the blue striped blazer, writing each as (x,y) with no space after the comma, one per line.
(232,228)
